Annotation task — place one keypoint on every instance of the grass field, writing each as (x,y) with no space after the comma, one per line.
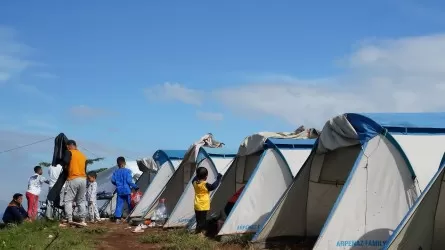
(49,235)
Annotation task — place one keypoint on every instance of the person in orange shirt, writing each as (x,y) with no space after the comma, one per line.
(76,184)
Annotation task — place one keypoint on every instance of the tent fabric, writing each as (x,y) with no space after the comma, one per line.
(251,151)
(424,225)
(195,156)
(359,181)
(167,162)
(255,142)
(273,173)
(147,164)
(216,160)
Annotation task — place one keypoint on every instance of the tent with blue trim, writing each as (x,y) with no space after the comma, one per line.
(361,178)
(424,225)
(195,157)
(216,160)
(266,163)
(167,162)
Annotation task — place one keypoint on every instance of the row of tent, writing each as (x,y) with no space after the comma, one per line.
(368,181)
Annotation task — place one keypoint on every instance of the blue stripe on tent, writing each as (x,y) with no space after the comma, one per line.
(216,152)
(409,214)
(394,142)
(343,190)
(162,156)
(314,149)
(289,143)
(410,123)
(275,143)
(409,120)
(368,126)
(245,188)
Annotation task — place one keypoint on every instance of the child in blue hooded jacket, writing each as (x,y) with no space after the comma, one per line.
(123,180)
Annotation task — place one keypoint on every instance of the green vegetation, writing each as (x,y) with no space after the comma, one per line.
(48,235)
(182,240)
(178,240)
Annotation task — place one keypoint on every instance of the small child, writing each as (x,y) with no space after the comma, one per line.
(93,212)
(123,180)
(202,197)
(34,188)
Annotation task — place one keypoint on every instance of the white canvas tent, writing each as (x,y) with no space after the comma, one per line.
(167,162)
(149,168)
(267,162)
(361,178)
(424,225)
(195,157)
(216,160)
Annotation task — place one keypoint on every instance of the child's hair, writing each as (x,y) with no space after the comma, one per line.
(120,159)
(37,168)
(92,174)
(201,173)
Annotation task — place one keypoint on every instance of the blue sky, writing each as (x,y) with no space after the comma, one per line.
(128,78)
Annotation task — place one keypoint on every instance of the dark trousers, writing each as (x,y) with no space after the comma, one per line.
(228,208)
(201,221)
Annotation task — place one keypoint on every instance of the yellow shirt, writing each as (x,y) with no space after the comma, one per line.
(76,168)
(202,196)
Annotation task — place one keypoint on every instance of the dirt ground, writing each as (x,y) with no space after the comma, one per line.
(120,236)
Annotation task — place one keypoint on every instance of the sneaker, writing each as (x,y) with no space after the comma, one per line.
(83,224)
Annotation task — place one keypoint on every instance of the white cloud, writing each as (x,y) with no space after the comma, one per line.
(87,112)
(209,116)
(169,92)
(400,75)
(13,54)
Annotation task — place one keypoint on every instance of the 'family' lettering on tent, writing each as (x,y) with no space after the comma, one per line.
(248,227)
(184,220)
(360,243)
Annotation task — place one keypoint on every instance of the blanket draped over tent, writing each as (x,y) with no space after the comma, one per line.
(205,141)
(255,143)
(59,150)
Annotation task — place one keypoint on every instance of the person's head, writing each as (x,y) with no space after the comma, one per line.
(92,176)
(71,144)
(121,161)
(38,170)
(202,173)
(18,198)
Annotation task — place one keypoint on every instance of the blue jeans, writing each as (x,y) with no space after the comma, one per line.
(120,201)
